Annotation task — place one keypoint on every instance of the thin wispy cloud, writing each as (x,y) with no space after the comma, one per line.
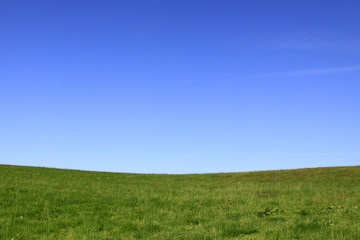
(319,71)
(319,40)
(309,40)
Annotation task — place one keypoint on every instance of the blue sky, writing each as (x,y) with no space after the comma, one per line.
(179,86)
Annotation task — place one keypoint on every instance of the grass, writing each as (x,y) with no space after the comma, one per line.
(42,203)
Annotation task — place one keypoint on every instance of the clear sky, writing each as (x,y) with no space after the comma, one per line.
(180,86)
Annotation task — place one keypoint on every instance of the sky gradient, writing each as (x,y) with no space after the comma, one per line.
(179,86)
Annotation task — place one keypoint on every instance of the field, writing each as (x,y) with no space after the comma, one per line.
(43,203)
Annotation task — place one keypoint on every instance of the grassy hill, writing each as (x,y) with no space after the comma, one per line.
(43,203)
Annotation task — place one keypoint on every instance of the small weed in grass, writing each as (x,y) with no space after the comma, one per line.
(236,230)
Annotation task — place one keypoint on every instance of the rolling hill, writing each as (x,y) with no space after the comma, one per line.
(45,203)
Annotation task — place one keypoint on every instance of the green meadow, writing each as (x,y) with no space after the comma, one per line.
(43,203)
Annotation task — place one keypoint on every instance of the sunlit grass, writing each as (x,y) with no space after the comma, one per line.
(41,203)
